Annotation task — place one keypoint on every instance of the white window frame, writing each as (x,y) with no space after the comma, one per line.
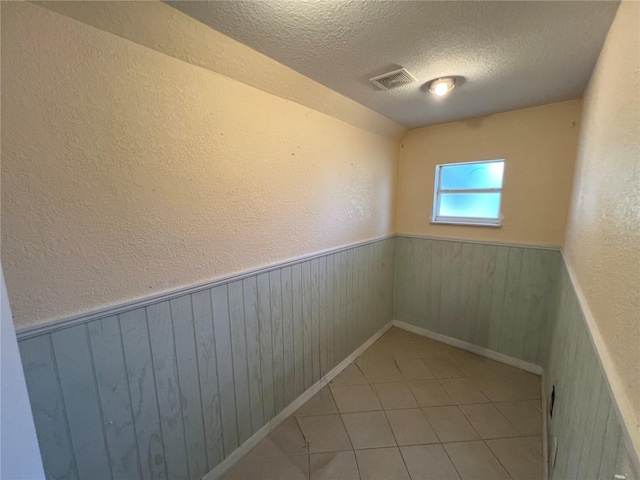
(475,221)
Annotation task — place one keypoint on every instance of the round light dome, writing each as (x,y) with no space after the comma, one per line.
(441,86)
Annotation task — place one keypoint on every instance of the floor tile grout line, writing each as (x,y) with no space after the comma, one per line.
(261,467)
(496,457)
(393,434)
(455,442)
(508,421)
(397,444)
(357,465)
(405,381)
(451,460)
(470,377)
(348,436)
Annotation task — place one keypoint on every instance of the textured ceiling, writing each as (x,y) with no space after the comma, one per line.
(511,54)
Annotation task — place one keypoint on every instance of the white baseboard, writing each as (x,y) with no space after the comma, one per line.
(485,352)
(270,426)
(545,433)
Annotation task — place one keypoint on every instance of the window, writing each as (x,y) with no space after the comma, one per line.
(468,193)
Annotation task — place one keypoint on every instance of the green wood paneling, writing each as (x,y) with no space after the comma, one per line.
(48,407)
(254,363)
(519,301)
(79,388)
(115,398)
(591,444)
(171,389)
(165,370)
(492,296)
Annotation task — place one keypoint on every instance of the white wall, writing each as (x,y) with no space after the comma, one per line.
(19,451)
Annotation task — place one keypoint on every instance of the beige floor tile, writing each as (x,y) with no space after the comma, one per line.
(376,353)
(381,464)
(413,368)
(383,343)
(395,333)
(494,388)
(320,404)
(477,365)
(495,365)
(504,370)
(428,462)
(410,427)
(474,461)
(292,467)
(537,404)
(355,398)
(396,349)
(523,416)
(444,368)
(398,373)
(429,393)
(247,468)
(383,370)
(334,466)
(405,351)
(287,439)
(450,424)
(368,430)
(463,391)
(526,383)
(257,451)
(395,395)
(325,433)
(518,456)
(536,442)
(488,421)
(428,348)
(469,362)
(350,376)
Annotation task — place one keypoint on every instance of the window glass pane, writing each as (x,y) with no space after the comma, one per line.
(470,205)
(473,175)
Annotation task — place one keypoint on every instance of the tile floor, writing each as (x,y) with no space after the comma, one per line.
(409,408)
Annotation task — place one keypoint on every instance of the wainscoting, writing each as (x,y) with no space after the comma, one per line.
(520,301)
(493,296)
(170,389)
(590,438)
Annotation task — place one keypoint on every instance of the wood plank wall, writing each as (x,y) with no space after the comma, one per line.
(493,296)
(520,301)
(591,443)
(171,389)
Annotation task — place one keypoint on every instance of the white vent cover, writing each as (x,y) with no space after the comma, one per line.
(397,78)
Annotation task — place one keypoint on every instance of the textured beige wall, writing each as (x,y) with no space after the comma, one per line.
(539,146)
(603,230)
(126,172)
(167,30)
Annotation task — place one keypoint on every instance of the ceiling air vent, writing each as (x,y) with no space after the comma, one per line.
(397,78)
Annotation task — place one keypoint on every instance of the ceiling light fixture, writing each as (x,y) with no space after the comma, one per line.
(441,86)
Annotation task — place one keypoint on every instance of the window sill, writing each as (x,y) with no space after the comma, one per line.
(466,223)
